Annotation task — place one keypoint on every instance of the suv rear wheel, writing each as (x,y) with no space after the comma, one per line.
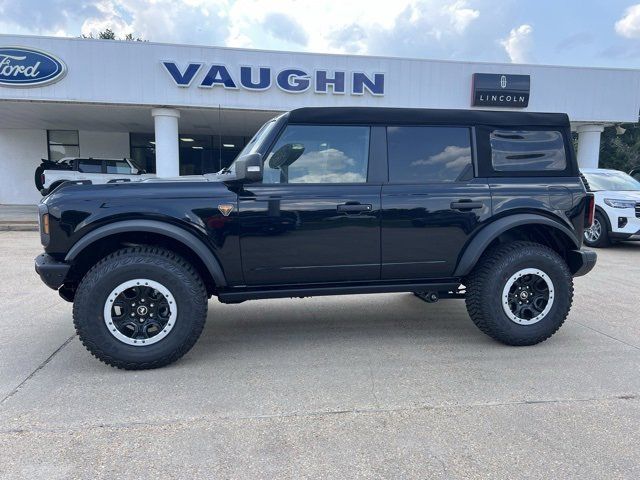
(520,293)
(141,307)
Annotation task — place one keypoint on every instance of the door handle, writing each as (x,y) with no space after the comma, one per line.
(355,207)
(466,204)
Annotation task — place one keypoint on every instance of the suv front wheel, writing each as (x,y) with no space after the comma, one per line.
(598,234)
(140,307)
(520,293)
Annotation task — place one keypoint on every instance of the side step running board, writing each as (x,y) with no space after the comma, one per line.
(242,294)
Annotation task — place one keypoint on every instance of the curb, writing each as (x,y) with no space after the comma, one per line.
(18,226)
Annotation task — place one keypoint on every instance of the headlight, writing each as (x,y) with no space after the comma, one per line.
(615,203)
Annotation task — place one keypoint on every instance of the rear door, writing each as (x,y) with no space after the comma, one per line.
(315,218)
(432,202)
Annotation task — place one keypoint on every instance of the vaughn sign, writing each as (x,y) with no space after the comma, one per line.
(291,80)
(28,67)
(496,90)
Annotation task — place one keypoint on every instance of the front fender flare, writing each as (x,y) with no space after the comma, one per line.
(488,234)
(162,228)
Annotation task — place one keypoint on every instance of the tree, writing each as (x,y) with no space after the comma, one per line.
(108,34)
(620,151)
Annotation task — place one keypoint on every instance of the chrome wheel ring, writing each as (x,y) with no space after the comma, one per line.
(592,234)
(140,312)
(528,296)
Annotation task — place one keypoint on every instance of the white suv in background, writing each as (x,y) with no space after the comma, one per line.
(49,175)
(617,197)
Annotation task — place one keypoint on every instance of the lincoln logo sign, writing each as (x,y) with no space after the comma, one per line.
(291,80)
(493,90)
(27,67)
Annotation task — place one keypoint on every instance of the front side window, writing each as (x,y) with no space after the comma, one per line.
(319,154)
(527,150)
(429,154)
(89,166)
(118,166)
(62,143)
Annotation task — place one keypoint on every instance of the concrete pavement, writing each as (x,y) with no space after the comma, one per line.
(330,387)
(18,218)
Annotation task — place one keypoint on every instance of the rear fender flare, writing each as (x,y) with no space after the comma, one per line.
(488,234)
(162,228)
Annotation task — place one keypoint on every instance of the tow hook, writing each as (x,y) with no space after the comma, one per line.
(429,297)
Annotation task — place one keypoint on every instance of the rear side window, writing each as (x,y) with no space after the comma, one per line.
(429,154)
(527,150)
(90,166)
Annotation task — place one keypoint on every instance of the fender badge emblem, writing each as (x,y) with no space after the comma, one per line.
(225,209)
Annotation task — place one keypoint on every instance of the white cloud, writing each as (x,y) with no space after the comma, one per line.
(413,28)
(417,28)
(284,27)
(629,25)
(451,157)
(519,44)
(460,15)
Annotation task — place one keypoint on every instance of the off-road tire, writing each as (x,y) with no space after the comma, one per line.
(604,240)
(488,279)
(153,263)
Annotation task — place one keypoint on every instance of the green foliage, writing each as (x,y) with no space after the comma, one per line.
(620,152)
(109,34)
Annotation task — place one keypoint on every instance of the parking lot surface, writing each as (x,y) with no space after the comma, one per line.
(371,386)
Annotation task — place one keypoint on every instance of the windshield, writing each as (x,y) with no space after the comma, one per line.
(613,181)
(255,142)
(135,164)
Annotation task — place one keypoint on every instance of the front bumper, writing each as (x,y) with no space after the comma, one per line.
(625,236)
(581,262)
(51,271)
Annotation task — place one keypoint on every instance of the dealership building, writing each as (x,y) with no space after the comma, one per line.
(188,110)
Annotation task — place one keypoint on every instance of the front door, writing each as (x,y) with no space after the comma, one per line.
(432,203)
(314,218)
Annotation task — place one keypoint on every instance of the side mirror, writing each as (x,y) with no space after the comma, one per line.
(286,155)
(249,168)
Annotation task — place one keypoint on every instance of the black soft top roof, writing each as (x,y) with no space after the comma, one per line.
(418,116)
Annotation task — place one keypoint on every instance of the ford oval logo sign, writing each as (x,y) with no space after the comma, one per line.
(28,67)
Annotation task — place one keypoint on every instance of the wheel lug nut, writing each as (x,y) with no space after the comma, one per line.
(142,300)
(133,314)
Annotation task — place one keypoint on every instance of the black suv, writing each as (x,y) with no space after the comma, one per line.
(486,206)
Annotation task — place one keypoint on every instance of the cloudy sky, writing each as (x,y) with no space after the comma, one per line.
(567,32)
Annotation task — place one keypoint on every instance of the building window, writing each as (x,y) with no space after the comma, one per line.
(63,143)
(143,151)
(199,154)
(429,154)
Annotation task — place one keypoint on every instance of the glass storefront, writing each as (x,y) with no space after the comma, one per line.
(199,154)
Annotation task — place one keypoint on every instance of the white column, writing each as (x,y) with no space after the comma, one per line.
(589,145)
(165,122)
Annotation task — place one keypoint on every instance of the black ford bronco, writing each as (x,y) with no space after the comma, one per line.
(485,206)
